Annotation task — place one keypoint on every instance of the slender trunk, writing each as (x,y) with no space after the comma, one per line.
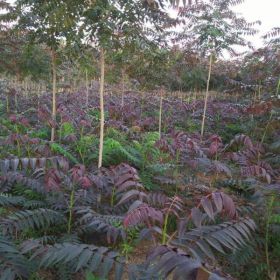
(255,97)
(87,89)
(38,103)
(206,95)
(141,104)
(25,86)
(123,86)
(195,94)
(101,92)
(53,93)
(16,87)
(160,113)
(278,88)
(7,103)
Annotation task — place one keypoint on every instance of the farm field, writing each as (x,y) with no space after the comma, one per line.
(130,151)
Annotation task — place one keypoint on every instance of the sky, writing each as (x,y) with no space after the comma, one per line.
(267,11)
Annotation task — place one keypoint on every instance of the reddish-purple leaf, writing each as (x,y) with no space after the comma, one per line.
(197,216)
(228,205)
(217,201)
(207,206)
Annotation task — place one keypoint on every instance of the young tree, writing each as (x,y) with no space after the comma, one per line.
(109,25)
(215,29)
(272,40)
(48,22)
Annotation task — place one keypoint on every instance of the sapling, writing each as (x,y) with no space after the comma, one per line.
(160,113)
(101,96)
(213,25)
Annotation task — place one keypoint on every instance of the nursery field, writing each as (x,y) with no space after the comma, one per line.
(139,140)
(155,201)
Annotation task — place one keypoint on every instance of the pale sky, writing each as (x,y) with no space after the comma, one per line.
(267,11)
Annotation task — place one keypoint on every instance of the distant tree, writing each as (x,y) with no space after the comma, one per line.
(11,42)
(272,40)
(215,28)
(48,23)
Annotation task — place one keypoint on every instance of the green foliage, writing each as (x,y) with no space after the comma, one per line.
(95,114)
(194,79)
(85,146)
(116,134)
(230,130)
(35,62)
(148,151)
(191,125)
(214,27)
(43,133)
(56,148)
(66,129)
(114,153)
(90,276)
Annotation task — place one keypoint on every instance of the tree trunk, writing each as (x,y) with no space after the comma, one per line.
(206,95)
(160,113)
(254,97)
(87,89)
(38,102)
(101,92)
(53,54)
(7,103)
(123,86)
(278,88)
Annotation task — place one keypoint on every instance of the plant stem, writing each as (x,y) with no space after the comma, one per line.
(87,89)
(123,86)
(164,235)
(206,95)
(160,113)
(269,212)
(113,197)
(53,92)
(7,104)
(278,88)
(18,143)
(266,128)
(70,211)
(101,92)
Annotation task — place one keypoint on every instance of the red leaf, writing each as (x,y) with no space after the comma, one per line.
(207,205)
(197,216)
(229,205)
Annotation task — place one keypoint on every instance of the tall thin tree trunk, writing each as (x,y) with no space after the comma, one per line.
(255,97)
(87,89)
(160,113)
(206,95)
(38,102)
(16,99)
(7,103)
(53,54)
(123,86)
(101,92)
